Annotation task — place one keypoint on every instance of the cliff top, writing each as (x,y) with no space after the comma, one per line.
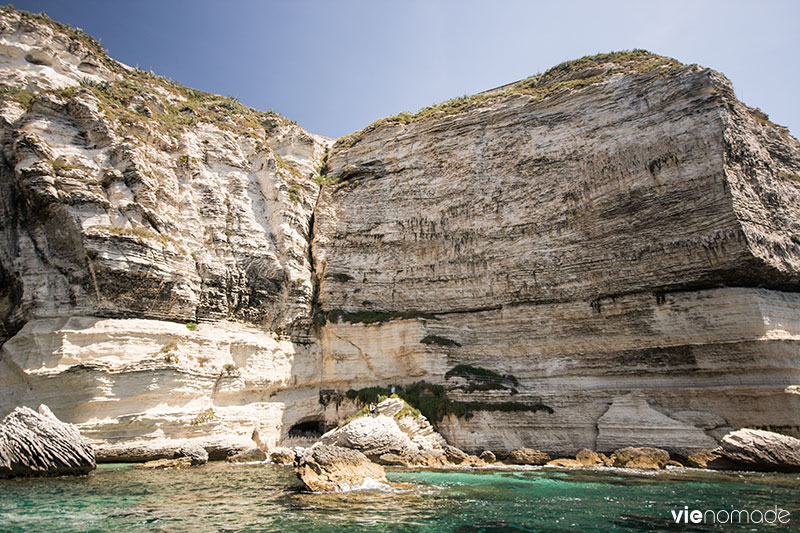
(564,77)
(46,59)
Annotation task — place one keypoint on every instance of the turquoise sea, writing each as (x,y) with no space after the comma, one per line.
(260,497)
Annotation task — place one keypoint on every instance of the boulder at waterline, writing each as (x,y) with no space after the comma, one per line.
(527,456)
(195,452)
(643,458)
(253,455)
(590,458)
(39,444)
(281,456)
(487,456)
(324,468)
(398,435)
(566,462)
(762,450)
(712,459)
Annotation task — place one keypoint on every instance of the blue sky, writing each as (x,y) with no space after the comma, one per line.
(334,67)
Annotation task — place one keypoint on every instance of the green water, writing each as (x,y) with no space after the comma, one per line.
(221,497)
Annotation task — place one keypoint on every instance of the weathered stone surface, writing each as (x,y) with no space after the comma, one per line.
(281,456)
(324,468)
(488,456)
(193,451)
(391,439)
(652,428)
(39,444)
(614,259)
(455,456)
(373,436)
(591,458)
(566,462)
(527,456)
(644,458)
(252,455)
(762,450)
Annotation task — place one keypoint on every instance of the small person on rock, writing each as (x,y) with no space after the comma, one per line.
(372,410)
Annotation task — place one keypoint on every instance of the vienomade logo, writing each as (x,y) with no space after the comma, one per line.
(732,516)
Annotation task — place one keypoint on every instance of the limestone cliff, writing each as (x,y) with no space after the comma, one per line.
(604,255)
(619,224)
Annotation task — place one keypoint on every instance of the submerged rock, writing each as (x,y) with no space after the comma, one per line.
(324,468)
(644,458)
(527,456)
(39,444)
(712,459)
(762,450)
(166,464)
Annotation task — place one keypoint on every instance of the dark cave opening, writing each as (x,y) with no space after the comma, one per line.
(307,429)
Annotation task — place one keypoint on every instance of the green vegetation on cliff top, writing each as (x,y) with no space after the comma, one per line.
(569,75)
(142,99)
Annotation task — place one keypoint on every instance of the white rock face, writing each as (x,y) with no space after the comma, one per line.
(406,436)
(762,450)
(39,54)
(140,388)
(624,248)
(630,421)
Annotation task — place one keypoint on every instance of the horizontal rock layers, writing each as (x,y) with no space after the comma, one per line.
(620,236)
(636,236)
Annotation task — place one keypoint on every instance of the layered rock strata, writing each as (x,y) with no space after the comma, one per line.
(627,250)
(618,237)
(324,468)
(36,443)
(762,450)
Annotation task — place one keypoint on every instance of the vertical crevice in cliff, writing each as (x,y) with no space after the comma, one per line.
(315,281)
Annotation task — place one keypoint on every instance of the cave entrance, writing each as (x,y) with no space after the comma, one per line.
(310,429)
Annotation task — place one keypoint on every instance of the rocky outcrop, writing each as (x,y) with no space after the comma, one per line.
(395,436)
(196,453)
(324,468)
(615,240)
(643,458)
(252,455)
(762,450)
(488,457)
(282,456)
(592,458)
(38,444)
